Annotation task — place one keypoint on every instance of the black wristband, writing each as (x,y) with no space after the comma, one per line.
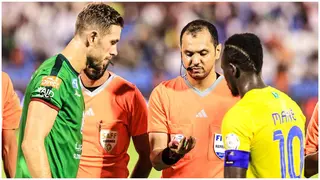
(169,157)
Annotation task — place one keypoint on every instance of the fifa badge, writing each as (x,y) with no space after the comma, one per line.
(218,146)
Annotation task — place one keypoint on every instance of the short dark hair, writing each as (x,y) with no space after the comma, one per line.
(244,50)
(98,15)
(198,25)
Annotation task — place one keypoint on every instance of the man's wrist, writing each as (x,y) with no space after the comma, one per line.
(169,157)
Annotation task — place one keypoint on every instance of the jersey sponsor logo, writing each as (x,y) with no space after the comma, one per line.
(276,95)
(78,148)
(202,114)
(51,81)
(218,146)
(232,142)
(89,112)
(76,156)
(77,93)
(108,139)
(45,92)
(75,83)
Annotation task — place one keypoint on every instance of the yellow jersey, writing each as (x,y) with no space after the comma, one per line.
(265,133)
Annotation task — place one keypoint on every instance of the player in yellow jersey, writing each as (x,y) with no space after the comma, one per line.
(264,133)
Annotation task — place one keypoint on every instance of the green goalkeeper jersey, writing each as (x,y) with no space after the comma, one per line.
(56,84)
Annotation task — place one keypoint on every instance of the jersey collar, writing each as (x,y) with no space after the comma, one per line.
(99,89)
(206,91)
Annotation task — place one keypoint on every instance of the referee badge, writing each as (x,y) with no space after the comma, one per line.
(108,139)
(218,146)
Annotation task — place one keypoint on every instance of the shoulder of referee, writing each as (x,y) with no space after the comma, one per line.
(157,109)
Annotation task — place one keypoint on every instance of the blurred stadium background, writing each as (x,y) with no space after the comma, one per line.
(149,45)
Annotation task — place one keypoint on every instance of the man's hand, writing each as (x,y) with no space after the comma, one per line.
(170,152)
(183,146)
(177,149)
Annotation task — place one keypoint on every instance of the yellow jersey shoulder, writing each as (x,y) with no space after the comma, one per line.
(238,117)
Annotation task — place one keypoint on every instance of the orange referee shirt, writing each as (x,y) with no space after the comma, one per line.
(11,109)
(175,107)
(114,112)
(312,133)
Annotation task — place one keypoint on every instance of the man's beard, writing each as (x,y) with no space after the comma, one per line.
(94,71)
(199,76)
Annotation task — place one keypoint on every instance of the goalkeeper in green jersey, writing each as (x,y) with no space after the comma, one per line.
(50,141)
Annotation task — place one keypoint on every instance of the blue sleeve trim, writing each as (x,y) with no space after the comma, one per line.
(236,158)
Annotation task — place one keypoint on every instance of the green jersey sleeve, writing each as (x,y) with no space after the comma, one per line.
(49,90)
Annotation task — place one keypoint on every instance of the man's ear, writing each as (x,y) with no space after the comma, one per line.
(235,70)
(92,38)
(218,51)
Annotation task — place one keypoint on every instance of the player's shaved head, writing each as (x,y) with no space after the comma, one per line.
(242,61)
(98,16)
(196,26)
(245,51)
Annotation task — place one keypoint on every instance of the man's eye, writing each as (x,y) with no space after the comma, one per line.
(203,53)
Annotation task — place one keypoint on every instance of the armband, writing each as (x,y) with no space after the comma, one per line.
(236,158)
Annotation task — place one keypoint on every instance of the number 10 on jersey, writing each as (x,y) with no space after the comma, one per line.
(278,136)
